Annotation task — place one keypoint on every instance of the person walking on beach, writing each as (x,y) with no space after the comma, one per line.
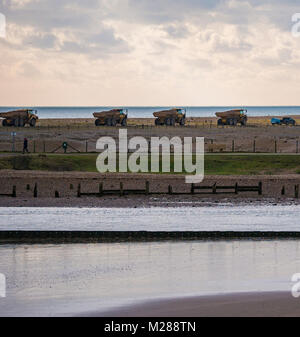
(25,146)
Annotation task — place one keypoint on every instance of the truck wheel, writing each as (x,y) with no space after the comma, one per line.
(21,122)
(167,121)
(108,122)
(4,123)
(124,122)
(229,121)
(113,122)
(97,122)
(32,122)
(16,122)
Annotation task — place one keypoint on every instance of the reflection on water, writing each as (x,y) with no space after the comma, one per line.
(69,279)
(222,217)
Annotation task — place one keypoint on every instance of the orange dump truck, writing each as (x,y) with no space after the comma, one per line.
(232,117)
(19,118)
(111,117)
(170,117)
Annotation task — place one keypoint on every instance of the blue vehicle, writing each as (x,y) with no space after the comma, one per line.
(283,121)
(275,121)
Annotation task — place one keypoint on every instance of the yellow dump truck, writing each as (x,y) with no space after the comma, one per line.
(232,117)
(170,117)
(19,118)
(111,117)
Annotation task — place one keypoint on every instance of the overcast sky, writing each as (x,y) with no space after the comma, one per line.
(149,52)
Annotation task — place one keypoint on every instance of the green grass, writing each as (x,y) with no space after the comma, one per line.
(214,164)
(59,163)
(252,164)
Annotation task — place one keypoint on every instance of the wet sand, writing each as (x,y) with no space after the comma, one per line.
(138,201)
(258,304)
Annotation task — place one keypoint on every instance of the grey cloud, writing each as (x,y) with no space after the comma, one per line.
(223,46)
(83,19)
(81,22)
(46,41)
(96,45)
(177,30)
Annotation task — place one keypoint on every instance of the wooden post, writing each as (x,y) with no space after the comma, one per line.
(254,146)
(283,190)
(34,146)
(260,188)
(14,192)
(192,189)
(121,189)
(79,191)
(44,146)
(147,188)
(214,188)
(100,189)
(275,146)
(297,146)
(296,191)
(86,146)
(35,191)
(232,146)
(28,187)
(170,190)
(236,188)
(56,194)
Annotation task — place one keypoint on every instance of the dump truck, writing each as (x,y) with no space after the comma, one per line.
(19,118)
(170,117)
(111,117)
(232,117)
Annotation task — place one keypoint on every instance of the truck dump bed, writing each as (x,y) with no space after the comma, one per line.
(14,114)
(110,113)
(228,114)
(165,113)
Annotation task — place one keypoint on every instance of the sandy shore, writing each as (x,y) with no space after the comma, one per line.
(66,184)
(260,304)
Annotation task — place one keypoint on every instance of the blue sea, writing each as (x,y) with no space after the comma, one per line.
(146,112)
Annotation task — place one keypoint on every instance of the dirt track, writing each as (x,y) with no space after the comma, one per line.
(82,135)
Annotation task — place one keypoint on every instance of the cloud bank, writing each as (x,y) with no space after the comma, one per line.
(142,52)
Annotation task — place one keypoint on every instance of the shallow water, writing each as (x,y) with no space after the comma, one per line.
(217,218)
(72,279)
(76,278)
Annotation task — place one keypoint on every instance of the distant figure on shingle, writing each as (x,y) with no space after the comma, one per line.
(25,146)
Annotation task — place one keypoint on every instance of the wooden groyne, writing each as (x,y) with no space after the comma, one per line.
(121,191)
(13,194)
(59,237)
